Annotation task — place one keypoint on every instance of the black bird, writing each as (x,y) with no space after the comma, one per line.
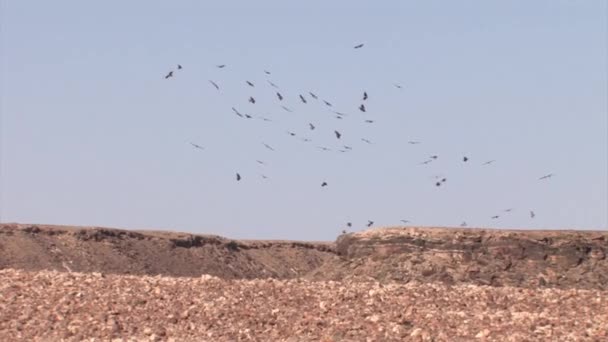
(312,127)
(197,146)
(488,162)
(413,142)
(323,184)
(339,113)
(260,162)
(358,46)
(251,99)
(465,159)
(221,66)
(265,119)
(327,103)
(349,224)
(306,140)
(338,135)
(362,108)
(170,74)
(291,133)
(268,146)
(302,98)
(365,140)
(364,96)
(248,116)
(179,67)
(238,177)
(215,85)
(495,217)
(433,157)
(287,109)
(443,180)
(313,96)
(438,184)
(546,176)
(343,231)
(264,176)
(426,162)
(397,86)
(323,148)
(250,84)
(508,210)
(532,214)
(267,72)
(339,117)
(237,112)
(369,121)
(279,96)
(370,223)
(347,147)
(273,85)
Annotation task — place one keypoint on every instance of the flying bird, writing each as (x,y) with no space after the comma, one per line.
(370,223)
(291,133)
(323,148)
(237,112)
(313,96)
(495,217)
(302,98)
(248,116)
(312,127)
(358,46)
(327,103)
(347,147)
(369,121)
(267,72)
(397,86)
(413,142)
(405,221)
(215,85)
(546,176)
(251,99)
(465,159)
(508,210)
(323,184)
(197,146)
(250,84)
(279,96)
(339,113)
(238,177)
(489,162)
(287,109)
(365,140)
(426,162)
(463,224)
(305,140)
(364,96)
(268,146)
(338,134)
(438,184)
(434,157)
(273,85)
(264,176)
(179,67)
(221,66)
(260,162)
(265,119)
(532,214)
(349,224)
(362,108)
(170,74)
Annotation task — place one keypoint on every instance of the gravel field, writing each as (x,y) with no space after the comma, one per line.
(56,306)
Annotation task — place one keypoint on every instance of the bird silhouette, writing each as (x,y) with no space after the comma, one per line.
(546,176)
(197,146)
(291,133)
(312,127)
(287,109)
(349,224)
(405,221)
(323,148)
(369,121)
(358,46)
(362,108)
(215,85)
(370,223)
(327,103)
(267,72)
(260,162)
(238,177)
(347,147)
(170,74)
(339,113)
(465,159)
(364,96)
(268,146)
(398,86)
(221,66)
(273,85)
(302,98)
(413,142)
(434,157)
(248,116)
(179,67)
(251,99)
(250,84)
(313,96)
(495,217)
(237,112)
(338,134)
(426,162)
(463,224)
(279,96)
(488,162)
(438,184)
(323,184)
(365,140)
(532,214)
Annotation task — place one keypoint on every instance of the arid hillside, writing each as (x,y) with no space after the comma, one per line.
(564,259)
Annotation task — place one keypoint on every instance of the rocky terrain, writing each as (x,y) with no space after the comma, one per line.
(393,284)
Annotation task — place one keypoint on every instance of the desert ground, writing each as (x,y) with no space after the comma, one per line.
(386,284)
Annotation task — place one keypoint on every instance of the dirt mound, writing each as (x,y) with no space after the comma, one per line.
(86,249)
(54,306)
(564,259)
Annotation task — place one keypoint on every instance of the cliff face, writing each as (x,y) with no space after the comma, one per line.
(491,257)
(562,259)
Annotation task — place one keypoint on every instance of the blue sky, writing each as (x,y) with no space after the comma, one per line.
(92,133)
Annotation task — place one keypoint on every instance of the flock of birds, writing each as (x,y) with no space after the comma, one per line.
(280,97)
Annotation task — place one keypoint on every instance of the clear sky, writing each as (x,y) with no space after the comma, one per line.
(93,134)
